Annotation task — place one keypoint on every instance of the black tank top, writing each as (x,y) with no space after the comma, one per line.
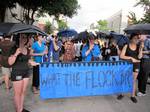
(132,53)
(21,62)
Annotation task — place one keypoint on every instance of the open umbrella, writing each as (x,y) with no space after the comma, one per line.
(120,39)
(102,34)
(138,28)
(13,28)
(67,33)
(1,34)
(81,36)
(31,31)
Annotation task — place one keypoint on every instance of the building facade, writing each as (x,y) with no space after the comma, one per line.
(118,22)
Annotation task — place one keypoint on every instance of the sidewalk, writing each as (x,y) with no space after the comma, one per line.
(83,104)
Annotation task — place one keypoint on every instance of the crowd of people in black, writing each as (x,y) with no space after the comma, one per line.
(17,57)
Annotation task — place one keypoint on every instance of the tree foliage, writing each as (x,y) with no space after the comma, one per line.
(132,18)
(102,25)
(39,7)
(58,7)
(48,27)
(62,25)
(146,17)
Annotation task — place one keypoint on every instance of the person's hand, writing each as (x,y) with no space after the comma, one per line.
(142,45)
(18,51)
(91,46)
(54,39)
(43,53)
(135,60)
(33,63)
(99,41)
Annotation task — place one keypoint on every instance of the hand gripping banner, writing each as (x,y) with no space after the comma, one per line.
(60,80)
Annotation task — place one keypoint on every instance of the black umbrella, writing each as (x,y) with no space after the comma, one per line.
(31,31)
(67,33)
(82,35)
(102,34)
(1,34)
(13,28)
(120,39)
(138,28)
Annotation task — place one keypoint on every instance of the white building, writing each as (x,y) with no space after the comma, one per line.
(119,21)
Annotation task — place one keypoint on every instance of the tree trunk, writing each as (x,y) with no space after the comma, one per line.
(2,14)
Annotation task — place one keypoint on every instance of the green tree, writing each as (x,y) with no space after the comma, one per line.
(102,25)
(132,18)
(48,27)
(40,7)
(62,24)
(61,7)
(146,5)
(30,7)
(146,17)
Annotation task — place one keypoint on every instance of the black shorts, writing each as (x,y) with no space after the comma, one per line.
(136,67)
(18,75)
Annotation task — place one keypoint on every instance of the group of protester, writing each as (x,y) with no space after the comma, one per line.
(17,58)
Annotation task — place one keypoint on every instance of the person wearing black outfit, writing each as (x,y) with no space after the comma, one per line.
(145,66)
(114,51)
(20,61)
(106,52)
(133,52)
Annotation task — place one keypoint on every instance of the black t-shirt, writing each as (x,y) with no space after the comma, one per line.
(113,51)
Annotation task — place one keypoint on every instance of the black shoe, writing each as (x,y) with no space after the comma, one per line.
(133,99)
(119,97)
(24,110)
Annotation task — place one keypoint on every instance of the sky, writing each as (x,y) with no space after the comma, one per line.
(93,10)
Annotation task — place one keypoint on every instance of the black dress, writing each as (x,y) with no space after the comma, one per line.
(133,54)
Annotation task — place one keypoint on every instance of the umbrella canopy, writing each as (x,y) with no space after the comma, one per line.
(120,39)
(67,33)
(1,34)
(102,34)
(138,28)
(14,28)
(82,35)
(31,31)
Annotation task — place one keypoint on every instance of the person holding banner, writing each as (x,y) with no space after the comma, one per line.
(54,49)
(114,50)
(69,51)
(133,52)
(20,61)
(38,50)
(90,50)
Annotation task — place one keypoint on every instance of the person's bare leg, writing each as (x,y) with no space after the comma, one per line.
(6,78)
(135,74)
(17,85)
(24,87)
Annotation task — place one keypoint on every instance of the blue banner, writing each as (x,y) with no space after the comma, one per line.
(59,80)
